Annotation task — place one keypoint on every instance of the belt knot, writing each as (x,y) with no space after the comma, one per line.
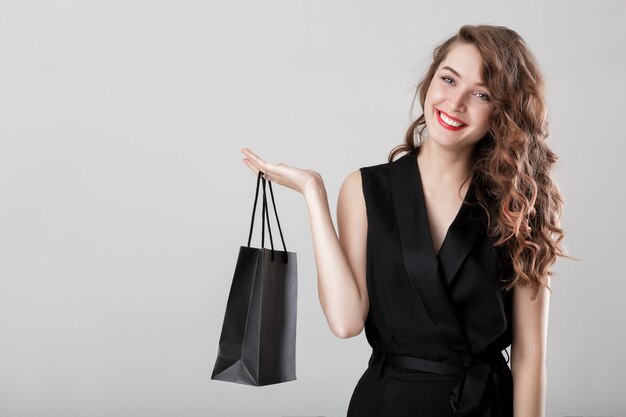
(479,376)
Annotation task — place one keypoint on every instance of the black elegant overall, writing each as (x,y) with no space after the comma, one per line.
(437,323)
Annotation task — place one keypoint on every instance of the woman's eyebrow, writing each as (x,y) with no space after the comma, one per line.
(452,70)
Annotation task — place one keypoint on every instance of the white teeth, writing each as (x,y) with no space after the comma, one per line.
(449,121)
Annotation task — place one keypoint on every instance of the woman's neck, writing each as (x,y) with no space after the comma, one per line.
(442,167)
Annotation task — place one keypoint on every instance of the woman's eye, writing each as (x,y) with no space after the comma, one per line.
(449,81)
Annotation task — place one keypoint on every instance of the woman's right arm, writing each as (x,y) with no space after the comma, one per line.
(340,260)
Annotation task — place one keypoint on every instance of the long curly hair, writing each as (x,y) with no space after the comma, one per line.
(512,162)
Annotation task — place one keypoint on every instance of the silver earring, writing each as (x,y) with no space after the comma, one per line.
(417,138)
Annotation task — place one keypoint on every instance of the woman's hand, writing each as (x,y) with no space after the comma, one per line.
(342,294)
(297,179)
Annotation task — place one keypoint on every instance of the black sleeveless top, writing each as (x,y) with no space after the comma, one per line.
(447,307)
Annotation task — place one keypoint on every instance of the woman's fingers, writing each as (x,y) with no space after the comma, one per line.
(255,163)
(288,176)
(252,156)
(271,171)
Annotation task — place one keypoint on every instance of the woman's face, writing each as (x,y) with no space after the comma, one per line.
(458,108)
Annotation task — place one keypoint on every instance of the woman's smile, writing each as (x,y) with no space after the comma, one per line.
(449,122)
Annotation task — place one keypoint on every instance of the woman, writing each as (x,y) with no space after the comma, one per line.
(443,255)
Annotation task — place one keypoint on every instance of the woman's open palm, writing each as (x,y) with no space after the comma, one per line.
(295,178)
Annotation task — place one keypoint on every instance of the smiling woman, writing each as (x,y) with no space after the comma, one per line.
(443,255)
(457,98)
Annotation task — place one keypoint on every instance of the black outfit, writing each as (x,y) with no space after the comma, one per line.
(437,323)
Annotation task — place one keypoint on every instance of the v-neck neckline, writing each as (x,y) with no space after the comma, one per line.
(431,276)
(422,202)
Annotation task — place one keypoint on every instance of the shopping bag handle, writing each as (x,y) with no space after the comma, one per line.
(264,215)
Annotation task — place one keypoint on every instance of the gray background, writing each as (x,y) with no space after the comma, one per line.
(123,198)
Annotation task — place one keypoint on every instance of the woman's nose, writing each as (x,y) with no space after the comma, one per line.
(457,100)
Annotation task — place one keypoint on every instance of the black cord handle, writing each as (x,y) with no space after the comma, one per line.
(256,197)
(264,216)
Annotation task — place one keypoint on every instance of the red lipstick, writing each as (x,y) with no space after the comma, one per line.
(447,126)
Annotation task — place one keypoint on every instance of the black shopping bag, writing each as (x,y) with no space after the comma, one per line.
(258,341)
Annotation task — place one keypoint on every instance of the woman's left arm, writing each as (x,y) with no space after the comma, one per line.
(528,352)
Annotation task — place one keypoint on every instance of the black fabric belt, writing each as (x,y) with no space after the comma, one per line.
(477,377)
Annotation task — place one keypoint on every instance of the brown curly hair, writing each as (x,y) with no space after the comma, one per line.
(512,162)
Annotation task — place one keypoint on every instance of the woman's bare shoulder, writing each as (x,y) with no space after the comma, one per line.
(351,191)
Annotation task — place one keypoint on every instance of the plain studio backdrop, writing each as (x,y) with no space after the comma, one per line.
(123,198)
